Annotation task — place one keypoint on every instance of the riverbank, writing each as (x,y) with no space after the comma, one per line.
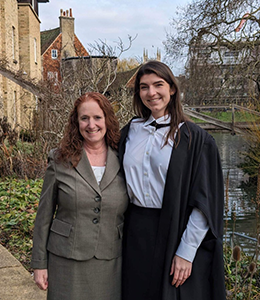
(221,120)
(244,126)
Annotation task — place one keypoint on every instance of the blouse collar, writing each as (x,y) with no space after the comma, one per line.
(162,120)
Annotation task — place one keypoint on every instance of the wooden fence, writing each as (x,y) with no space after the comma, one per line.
(215,124)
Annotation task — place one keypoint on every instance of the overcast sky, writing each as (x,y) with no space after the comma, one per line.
(109,19)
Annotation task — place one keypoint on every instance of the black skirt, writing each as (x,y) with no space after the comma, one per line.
(141,226)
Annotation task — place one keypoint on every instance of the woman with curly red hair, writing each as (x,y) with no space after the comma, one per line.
(77,240)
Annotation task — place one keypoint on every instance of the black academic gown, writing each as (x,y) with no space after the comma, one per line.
(194,179)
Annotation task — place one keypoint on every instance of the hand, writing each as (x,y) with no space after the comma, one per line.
(41,278)
(181,270)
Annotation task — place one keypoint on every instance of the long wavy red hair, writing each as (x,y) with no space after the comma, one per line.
(70,146)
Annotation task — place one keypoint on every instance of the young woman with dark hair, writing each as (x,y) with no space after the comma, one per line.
(173,230)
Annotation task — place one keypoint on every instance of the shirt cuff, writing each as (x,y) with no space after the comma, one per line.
(194,234)
(186,251)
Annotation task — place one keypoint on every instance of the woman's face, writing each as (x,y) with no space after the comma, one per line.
(92,124)
(155,94)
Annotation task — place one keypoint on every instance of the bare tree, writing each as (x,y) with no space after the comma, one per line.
(97,72)
(80,74)
(221,41)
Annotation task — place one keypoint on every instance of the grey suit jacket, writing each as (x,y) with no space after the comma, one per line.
(77,218)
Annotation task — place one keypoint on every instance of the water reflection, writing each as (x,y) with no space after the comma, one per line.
(240,205)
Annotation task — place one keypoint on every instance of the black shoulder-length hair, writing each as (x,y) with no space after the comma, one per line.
(174,107)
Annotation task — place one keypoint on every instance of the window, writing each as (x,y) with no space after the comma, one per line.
(35,50)
(204,53)
(50,75)
(54,54)
(34,5)
(36,103)
(231,53)
(53,76)
(13,42)
(14,107)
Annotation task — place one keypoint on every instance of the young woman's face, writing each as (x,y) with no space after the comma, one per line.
(92,124)
(155,94)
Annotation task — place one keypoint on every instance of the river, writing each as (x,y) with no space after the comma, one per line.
(240,215)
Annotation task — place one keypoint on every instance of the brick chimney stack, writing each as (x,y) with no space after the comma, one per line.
(67,31)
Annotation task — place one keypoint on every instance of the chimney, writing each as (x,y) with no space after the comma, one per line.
(67,31)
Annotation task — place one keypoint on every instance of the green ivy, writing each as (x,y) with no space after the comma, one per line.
(18,205)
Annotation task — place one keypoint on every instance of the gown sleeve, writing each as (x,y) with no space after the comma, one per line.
(207,188)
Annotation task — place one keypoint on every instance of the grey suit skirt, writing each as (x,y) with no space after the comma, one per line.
(94,279)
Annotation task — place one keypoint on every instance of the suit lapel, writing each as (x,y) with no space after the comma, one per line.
(112,168)
(85,170)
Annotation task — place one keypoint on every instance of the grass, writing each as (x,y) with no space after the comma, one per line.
(226,116)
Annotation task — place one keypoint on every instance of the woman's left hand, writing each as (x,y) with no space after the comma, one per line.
(181,270)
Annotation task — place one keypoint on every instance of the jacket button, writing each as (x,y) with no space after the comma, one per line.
(95,221)
(97,198)
(96,210)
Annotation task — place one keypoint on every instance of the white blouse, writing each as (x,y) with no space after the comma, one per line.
(98,172)
(146,163)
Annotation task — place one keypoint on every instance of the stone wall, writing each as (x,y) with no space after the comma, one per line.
(9,53)
(20,51)
(29,43)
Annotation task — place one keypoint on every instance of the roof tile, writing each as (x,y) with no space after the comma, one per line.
(48,37)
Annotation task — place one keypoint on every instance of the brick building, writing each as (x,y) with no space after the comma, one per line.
(20,51)
(59,43)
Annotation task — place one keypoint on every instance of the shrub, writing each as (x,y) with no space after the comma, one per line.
(18,205)
(17,158)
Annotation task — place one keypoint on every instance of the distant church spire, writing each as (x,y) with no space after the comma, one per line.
(158,55)
(146,58)
(145,55)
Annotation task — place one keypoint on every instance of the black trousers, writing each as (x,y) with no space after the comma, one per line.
(140,232)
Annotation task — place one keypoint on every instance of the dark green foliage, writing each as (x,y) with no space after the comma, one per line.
(251,163)
(18,206)
(27,136)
